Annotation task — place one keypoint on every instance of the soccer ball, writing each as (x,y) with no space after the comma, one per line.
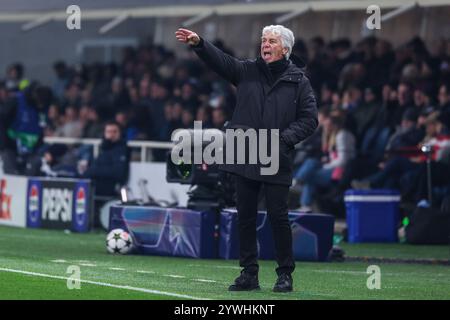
(119,241)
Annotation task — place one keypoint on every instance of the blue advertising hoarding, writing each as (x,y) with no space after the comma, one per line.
(59,204)
(168,231)
(312,236)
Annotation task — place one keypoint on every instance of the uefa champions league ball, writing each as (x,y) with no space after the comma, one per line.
(119,241)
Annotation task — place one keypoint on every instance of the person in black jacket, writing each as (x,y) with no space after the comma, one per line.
(23,118)
(272,93)
(110,169)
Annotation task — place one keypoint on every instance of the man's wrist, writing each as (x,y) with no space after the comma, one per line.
(199,44)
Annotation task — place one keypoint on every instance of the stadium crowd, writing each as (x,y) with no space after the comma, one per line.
(377,107)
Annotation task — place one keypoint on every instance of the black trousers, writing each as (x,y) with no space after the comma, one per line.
(276,197)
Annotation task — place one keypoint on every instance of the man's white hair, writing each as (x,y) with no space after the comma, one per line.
(286,35)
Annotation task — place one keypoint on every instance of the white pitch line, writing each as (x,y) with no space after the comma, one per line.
(87,265)
(173,276)
(218,267)
(384,273)
(340,271)
(104,284)
(205,280)
(145,271)
(116,269)
(228,267)
(59,261)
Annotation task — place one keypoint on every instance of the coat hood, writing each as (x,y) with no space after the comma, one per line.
(297,61)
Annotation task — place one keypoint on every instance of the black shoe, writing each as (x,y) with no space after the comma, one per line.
(284,283)
(245,282)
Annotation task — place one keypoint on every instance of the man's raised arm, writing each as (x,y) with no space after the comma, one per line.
(225,65)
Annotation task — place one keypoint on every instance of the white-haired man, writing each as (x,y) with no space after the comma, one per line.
(272,93)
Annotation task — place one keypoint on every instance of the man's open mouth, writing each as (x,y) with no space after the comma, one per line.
(267,54)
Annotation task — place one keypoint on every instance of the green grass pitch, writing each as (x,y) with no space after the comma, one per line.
(33,265)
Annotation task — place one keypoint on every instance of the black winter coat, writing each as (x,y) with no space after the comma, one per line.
(288,105)
(7,115)
(110,168)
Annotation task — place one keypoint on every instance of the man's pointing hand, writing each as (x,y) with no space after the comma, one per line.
(187,36)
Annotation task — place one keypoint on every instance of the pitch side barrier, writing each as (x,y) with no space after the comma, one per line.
(194,233)
(66,204)
(51,203)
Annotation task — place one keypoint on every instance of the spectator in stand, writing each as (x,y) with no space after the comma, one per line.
(188,96)
(144,93)
(204,115)
(444,103)
(93,127)
(311,148)
(117,99)
(187,119)
(364,115)
(140,120)
(62,74)
(15,80)
(317,65)
(43,163)
(407,135)
(326,93)
(7,114)
(110,169)
(351,98)
(423,104)
(352,75)
(338,146)
(83,117)
(71,127)
(24,117)
(181,75)
(172,116)
(379,69)
(72,96)
(342,54)
(336,101)
(128,132)
(133,93)
(54,120)
(404,101)
(158,97)
(218,118)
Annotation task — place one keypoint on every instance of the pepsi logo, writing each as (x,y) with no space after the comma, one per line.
(80,206)
(33,203)
(80,201)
